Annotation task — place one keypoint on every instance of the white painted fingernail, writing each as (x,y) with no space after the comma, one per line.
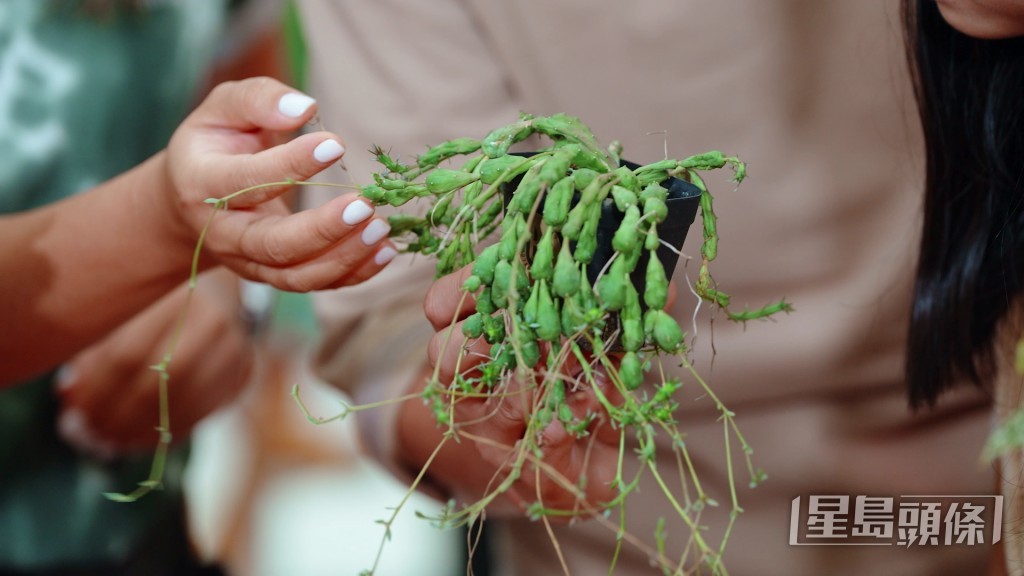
(375,232)
(74,429)
(71,423)
(294,104)
(356,212)
(328,151)
(385,255)
(65,377)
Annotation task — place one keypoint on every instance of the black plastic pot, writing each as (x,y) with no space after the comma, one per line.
(682,202)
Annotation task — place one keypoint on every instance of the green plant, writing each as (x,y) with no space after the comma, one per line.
(539,308)
(1009,434)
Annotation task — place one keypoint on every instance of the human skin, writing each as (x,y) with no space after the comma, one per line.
(987,19)
(109,400)
(491,427)
(72,271)
(991,20)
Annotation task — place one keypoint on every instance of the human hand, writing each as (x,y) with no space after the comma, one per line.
(576,472)
(109,395)
(227,145)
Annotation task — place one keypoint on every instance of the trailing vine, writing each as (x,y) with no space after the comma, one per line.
(571,250)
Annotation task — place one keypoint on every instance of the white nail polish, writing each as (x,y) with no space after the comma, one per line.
(385,255)
(356,212)
(71,424)
(375,232)
(328,151)
(294,104)
(74,429)
(65,377)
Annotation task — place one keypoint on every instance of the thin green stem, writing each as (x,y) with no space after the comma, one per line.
(155,479)
(405,498)
(156,472)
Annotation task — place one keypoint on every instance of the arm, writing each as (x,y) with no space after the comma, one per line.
(74,270)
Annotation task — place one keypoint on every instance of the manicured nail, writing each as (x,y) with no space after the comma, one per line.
(65,377)
(356,212)
(294,104)
(328,150)
(375,232)
(73,429)
(385,255)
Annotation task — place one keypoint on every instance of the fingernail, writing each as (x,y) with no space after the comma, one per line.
(73,429)
(65,377)
(375,232)
(356,212)
(294,104)
(385,255)
(328,150)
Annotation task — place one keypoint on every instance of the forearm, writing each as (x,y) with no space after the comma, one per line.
(72,271)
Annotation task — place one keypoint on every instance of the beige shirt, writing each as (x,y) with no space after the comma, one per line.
(814,96)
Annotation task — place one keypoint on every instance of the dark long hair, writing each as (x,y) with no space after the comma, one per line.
(970,271)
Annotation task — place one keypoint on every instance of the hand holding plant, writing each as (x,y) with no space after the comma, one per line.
(221,157)
(550,362)
(224,152)
(493,424)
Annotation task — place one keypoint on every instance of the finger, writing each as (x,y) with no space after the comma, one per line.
(349,262)
(129,420)
(130,423)
(446,300)
(296,160)
(210,366)
(126,408)
(280,241)
(672,293)
(111,373)
(506,414)
(339,267)
(581,467)
(104,375)
(77,419)
(74,429)
(212,362)
(212,372)
(254,103)
(586,402)
(385,253)
(102,406)
(587,397)
(450,353)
